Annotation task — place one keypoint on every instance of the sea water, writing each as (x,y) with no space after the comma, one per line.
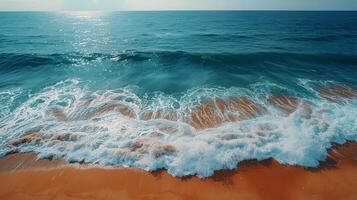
(94,87)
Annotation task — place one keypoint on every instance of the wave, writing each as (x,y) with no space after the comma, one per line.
(197,133)
(326,38)
(323,38)
(11,61)
(216,36)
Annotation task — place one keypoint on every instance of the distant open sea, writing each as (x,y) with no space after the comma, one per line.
(191,92)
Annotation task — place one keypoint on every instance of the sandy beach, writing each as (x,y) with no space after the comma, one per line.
(243,104)
(24,177)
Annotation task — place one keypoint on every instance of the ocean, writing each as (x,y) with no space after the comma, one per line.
(192,92)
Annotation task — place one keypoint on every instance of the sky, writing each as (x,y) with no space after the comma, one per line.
(60,5)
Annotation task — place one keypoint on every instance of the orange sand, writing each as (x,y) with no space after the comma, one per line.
(22,177)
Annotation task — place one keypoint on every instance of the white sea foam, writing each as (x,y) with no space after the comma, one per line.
(63,116)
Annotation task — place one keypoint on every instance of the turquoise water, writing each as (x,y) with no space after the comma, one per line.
(80,62)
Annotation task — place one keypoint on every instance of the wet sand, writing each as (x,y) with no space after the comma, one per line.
(24,177)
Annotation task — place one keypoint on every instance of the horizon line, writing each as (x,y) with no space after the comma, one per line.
(183,10)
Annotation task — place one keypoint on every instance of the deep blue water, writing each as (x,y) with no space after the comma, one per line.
(173,60)
(175,51)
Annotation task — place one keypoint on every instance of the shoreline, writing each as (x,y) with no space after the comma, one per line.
(25,177)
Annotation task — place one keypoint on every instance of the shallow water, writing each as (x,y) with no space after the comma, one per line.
(192,92)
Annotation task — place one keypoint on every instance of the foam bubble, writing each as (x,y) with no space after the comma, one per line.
(111,128)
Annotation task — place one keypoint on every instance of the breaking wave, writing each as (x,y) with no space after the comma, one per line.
(195,133)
